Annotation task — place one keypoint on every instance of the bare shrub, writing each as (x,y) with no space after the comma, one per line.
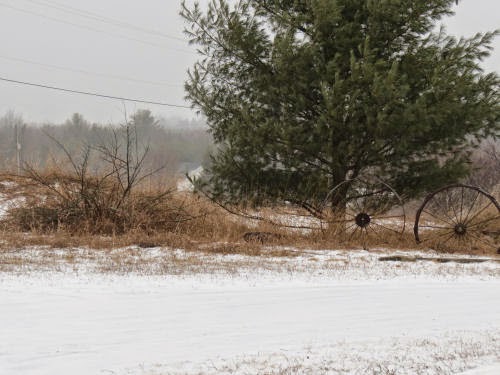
(93,204)
(111,200)
(486,167)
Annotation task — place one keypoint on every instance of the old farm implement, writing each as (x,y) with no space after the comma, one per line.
(372,211)
(453,218)
(369,212)
(458,217)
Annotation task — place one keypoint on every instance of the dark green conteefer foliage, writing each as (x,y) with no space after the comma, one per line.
(301,95)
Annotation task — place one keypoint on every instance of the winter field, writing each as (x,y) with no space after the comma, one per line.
(225,308)
(162,311)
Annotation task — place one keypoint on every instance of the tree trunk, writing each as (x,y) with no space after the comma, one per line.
(338,196)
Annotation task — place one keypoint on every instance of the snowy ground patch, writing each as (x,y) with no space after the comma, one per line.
(448,353)
(110,324)
(293,264)
(169,311)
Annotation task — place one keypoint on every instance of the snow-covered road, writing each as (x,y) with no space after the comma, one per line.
(107,324)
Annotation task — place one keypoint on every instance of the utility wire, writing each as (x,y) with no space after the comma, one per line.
(100,18)
(89,73)
(94,29)
(92,93)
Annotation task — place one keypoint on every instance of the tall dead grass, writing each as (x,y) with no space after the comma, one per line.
(57,201)
(57,210)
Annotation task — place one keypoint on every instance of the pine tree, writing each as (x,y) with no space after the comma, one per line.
(301,95)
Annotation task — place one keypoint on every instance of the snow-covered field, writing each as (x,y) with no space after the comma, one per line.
(67,311)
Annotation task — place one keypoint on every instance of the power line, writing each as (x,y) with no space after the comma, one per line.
(55,19)
(100,18)
(89,73)
(92,93)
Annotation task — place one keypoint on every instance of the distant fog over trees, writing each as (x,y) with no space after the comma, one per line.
(174,145)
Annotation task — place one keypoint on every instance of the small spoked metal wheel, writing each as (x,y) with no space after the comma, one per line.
(458,218)
(365,212)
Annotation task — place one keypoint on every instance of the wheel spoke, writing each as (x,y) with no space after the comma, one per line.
(353,233)
(437,236)
(375,233)
(383,208)
(434,227)
(445,212)
(387,217)
(479,239)
(382,226)
(350,226)
(484,221)
(359,209)
(437,217)
(462,205)
(479,212)
(449,238)
(339,221)
(364,203)
(471,206)
(450,202)
(364,235)
(462,239)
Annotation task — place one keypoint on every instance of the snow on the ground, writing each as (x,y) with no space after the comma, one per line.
(184,184)
(492,369)
(68,324)
(291,264)
(7,204)
(447,353)
(160,311)
(4,206)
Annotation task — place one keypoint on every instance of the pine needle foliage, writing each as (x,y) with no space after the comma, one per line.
(301,95)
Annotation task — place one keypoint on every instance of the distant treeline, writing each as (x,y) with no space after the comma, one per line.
(174,145)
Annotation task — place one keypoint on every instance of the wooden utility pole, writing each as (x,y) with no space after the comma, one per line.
(18,150)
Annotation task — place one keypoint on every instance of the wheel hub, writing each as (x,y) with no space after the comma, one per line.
(460,229)
(363,220)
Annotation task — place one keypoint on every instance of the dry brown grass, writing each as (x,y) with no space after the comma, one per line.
(210,258)
(202,227)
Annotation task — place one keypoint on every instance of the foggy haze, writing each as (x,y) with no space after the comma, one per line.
(46,42)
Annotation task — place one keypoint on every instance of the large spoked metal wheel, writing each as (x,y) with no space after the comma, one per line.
(365,211)
(458,218)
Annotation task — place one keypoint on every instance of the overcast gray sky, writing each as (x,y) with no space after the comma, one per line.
(50,42)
